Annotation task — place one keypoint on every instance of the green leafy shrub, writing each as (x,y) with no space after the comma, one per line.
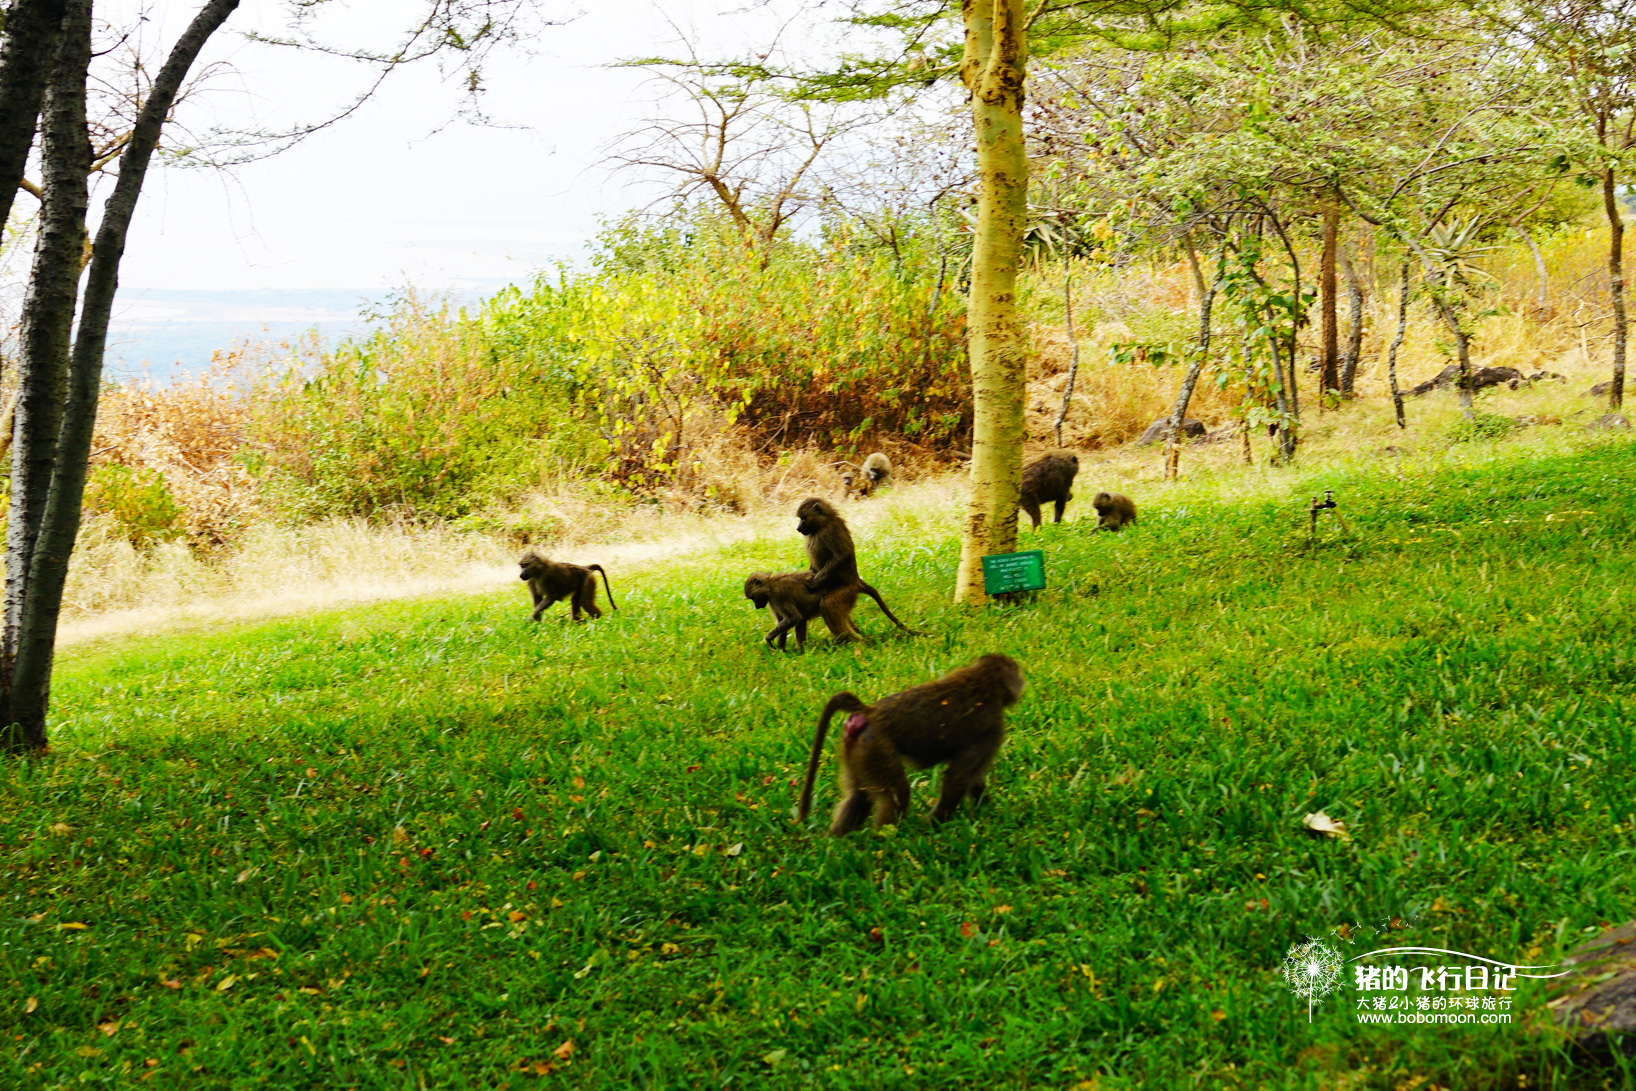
(137,501)
(518,528)
(1482,426)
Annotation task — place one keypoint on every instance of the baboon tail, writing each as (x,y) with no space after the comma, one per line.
(887,610)
(605,587)
(841,702)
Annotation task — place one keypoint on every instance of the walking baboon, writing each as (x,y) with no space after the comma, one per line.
(1114,510)
(1048,479)
(550,580)
(793,605)
(958,721)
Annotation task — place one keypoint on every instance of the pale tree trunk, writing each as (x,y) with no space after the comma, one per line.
(47,329)
(992,69)
(26,50)
(36,638)
(1616,286)
(1201,353)
(1354,328)
(1397,343)
(1329,379)
(1541,280)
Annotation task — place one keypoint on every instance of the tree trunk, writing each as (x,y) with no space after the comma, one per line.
(35,640)
(1354,329)
(47,329)
(992,69)
(1616,286)
(1284,393)
(1073,357)
(1397,343)
(1201,353)
(1541,279)
(1462,348)
(30,41)
(1329,380)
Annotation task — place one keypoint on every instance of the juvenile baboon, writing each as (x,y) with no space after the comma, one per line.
(793,604)
(877,471)
(1048,479)
(958,720)
(550,580)
(1114,510)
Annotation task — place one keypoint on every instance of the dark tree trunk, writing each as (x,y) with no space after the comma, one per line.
(1397,343)
(1354,329)
(1616,286)
(30,40)
(1329,380)
(34,638)
(1201,354)
(47,328)
(1462,349)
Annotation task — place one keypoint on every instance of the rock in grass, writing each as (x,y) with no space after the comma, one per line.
(1191,429)
(1481,379)
(1597,1001)
(1608,422)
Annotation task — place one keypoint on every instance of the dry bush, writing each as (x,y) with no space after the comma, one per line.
(191,432)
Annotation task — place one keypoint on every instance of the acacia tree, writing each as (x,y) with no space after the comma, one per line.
(48,44)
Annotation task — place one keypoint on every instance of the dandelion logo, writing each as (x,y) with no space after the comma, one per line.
(1313,970)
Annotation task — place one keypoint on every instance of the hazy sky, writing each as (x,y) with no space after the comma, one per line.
(393,194)
(402,193)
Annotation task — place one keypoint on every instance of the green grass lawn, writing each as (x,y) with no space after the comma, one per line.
(431,845)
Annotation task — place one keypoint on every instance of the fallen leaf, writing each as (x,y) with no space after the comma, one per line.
(736,849)
(1324,826)
(516,814)
(30,1004)
(564,1051)
(346,899)
(399,834)
(87,1051)
(227,982)
(775,1056)
(71,925)
(532,885)
(579,782)
(968,929)
(541,1068)
(171,984)
(517,915)
(694,768)
(62,829)
(110,1029)
(445,1041)
(1218,1015)
(1002,909)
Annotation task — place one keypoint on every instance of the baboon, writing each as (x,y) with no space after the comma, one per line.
(1048,478)
(549,581)
(833,561)
(876,471)
(1114,510)
(958,720)
(793,604)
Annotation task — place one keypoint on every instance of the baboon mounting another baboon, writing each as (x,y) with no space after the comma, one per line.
(793,604)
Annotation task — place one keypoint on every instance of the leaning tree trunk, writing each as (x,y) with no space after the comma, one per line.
(1329,379)
(36,639)
(1201,353)
(1616,286)
(992,69)
(1462,349)
(1354,329)
(1073,356)
(47,329)
(1541,279)
(1397,343)
(30,41)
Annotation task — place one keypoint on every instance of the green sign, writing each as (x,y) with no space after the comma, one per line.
(1005,572)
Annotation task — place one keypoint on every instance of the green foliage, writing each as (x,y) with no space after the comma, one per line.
(1482,426)
(674,332)
(433,835)
(141,507)
(431,416)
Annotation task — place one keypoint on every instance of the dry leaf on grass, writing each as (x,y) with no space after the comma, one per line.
(1324,826)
